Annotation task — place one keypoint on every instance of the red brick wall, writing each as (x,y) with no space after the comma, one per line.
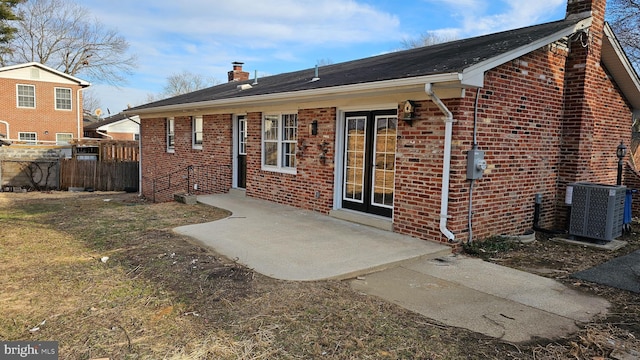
(211,164)
(44,118)
(519,128)
(312,187)
(419,173)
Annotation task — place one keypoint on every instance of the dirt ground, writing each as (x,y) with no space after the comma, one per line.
(103,274)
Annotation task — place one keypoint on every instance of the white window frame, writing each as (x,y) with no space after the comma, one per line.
(63,142)
(18,96)
(33,141)
(195,144)
(280,139)
(170,132)
(56,98)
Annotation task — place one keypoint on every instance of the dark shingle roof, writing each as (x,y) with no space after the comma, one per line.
(442,58)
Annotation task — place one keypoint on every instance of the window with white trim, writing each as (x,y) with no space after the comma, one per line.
(171,135)
(26,95)
(63,98)
(63,138)
(279,142)
(196,132)
(30,138)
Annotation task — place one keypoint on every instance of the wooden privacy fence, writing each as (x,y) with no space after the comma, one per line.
(107,150)
(99,175)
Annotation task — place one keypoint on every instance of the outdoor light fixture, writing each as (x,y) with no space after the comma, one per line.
(621,152)
(314,127)
(408,111)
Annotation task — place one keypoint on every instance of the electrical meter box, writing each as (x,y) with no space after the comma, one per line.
(476,165)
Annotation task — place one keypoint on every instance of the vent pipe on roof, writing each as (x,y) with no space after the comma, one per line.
(255,78)
(316,77)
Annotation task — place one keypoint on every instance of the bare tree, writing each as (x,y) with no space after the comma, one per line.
(182,83)
(90,103)
(624,17)
(186,82)
(61,34)
(427,39)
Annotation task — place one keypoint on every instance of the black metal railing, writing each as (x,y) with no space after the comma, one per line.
(194,179)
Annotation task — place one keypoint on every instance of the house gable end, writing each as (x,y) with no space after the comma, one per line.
(38,72)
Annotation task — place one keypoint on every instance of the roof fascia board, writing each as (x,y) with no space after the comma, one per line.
(624,61)
(115,123)
(474,75)
(46,68)
(321,93)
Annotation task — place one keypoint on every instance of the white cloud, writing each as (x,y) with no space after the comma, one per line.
(205,36)
(263,22)
(477,17)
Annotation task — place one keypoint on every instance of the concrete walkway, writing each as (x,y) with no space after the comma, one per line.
(293,244)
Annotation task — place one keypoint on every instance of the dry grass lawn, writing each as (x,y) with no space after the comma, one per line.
(160,296)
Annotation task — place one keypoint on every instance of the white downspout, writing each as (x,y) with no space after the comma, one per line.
(80,115)
(7,125)
(446,166)
(140,160)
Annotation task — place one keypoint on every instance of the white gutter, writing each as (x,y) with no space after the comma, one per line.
(446,167)
(7,125)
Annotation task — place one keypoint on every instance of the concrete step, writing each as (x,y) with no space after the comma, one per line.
(378,222)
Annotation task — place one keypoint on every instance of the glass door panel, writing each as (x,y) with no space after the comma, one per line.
(354,167)
(384,157)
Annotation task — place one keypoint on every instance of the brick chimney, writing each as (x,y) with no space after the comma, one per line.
(582,105)
(237,74)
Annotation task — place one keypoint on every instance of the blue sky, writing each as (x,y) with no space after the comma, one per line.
(276,36)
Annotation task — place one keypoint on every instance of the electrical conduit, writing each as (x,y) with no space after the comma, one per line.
(446,166)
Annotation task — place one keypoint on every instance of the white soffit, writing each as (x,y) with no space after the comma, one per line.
(618,65)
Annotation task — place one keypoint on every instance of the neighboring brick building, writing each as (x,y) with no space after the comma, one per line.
(40,104)
(388,137)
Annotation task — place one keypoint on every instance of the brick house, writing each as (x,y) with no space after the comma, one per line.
(40,104)
(388,138)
